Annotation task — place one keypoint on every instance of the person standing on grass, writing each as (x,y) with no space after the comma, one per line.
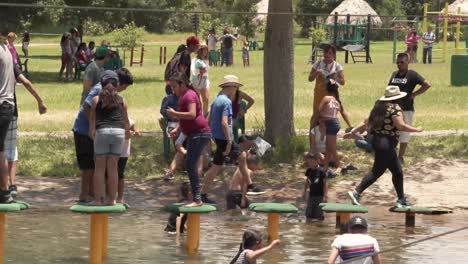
(66,57)
(93,71)
(109,128)
(221,127)
(11,147)
(194,125)
(84,145)
(428,40)
(200,79)
(7,105)
(11,46)
(211,41)
(227,41)
(355,243)
(25,44)
(407,80)
(185,62)
(327,67)
(385,123)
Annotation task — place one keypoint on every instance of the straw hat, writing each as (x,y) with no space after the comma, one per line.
(392,92)
(231,80)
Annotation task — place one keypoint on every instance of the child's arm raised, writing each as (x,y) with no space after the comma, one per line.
(253,255)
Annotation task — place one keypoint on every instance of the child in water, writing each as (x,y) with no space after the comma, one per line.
(176,222)
(251,248)
(316,182)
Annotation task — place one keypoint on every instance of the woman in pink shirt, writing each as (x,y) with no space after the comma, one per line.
(412,40)
(11,46)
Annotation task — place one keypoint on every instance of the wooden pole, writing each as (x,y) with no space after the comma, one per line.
(368,38)
(426,7)
(273,226)
(2,236)
(416,26)
(95,243)
(410,220)
(444,44)
(105,235)
(160,55)
(457,39)
(342,220)
(348,21)
(193,232)
(395,33)
(131,56)
(165,53)
(142,54)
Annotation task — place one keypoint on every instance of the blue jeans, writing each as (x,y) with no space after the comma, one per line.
(427,52)
(195,145)
(227,56)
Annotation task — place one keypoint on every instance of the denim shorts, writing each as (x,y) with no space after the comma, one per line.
(109,141)
(332,126)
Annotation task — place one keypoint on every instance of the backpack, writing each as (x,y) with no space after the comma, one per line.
(172,66)
(227,41)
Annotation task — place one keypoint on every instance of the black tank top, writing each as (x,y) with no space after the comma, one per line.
(110,118)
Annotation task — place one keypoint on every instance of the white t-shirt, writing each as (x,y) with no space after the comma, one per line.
(354,245)
(212,42)
(428,37)
(195,67)
(127,144)
(331,68)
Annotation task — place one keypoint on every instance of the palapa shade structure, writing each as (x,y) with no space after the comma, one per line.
(453,8)
(262,7)
(358,9)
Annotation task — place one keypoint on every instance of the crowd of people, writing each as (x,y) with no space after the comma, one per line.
(102,129)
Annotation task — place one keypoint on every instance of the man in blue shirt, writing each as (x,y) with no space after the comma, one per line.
(83,143)
(221,130)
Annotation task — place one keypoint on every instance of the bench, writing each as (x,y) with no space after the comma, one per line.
(273,210)
(410,213)
(343,213)
(99,219)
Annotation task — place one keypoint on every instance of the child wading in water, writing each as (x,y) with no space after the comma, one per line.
(235,197)
(176,222)
(329,123)
(251,248)
(316,182)
(109,127)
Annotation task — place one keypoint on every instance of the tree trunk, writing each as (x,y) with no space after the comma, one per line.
(278,75)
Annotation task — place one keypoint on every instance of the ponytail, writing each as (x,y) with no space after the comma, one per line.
(241,248)
(109,98)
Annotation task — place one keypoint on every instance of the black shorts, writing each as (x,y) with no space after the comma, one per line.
(234,199)
(218,157)
(6,115)
(121,167)
(84,147)
(313,210)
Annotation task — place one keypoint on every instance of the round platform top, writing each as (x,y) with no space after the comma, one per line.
(105,209)
(273,208)
(342,208)
(419,210)
(14,207)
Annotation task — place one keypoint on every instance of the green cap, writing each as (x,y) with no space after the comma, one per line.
(101,52)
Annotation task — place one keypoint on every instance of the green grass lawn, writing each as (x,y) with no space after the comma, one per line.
(442,107)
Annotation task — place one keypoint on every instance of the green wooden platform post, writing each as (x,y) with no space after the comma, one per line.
(343,213)
(99,229)
(410,213)
(193,222)
(273,210)
(4,209)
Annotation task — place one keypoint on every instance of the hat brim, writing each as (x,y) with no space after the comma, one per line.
(231,83)
(361,225)
(391,98)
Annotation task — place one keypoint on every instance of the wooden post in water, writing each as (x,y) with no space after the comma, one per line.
(96,239)
(410,219)
(193,232)
(273,226)
(342,219)
(2,236)
(105,234)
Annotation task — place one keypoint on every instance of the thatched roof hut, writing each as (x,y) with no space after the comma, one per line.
(453,8)
(358,9)
(262,7)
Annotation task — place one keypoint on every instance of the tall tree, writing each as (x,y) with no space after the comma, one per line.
(278,75)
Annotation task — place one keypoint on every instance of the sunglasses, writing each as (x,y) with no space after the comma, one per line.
(400,62)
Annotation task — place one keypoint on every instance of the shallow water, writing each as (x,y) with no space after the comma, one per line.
(57,236)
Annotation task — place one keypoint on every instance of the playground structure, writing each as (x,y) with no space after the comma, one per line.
(444,15)
(400,25)
(162,55)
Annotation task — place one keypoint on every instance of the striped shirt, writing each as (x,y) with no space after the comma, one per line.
(355,245)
